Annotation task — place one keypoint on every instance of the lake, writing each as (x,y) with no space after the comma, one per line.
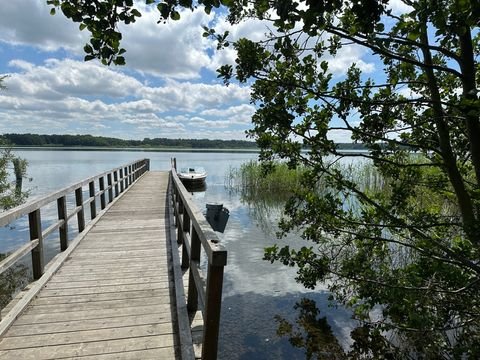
(255,291)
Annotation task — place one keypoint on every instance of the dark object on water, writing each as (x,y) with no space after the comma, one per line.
(217,216)
(196,187)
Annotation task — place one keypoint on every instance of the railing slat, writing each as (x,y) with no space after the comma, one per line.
(11,259)
(52,228)
(198,283)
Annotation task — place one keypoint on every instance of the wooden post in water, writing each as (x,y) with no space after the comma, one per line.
(63,229)
(35,225)
(93,203)
(80,214)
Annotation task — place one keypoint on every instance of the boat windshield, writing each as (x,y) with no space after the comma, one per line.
(192,170)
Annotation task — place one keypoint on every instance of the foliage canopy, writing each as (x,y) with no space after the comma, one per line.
(409,250)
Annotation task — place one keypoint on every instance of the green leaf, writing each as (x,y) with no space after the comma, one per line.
(175,15)
(82,26)
(136,13)
(120,60)
(413,35)
(52,11)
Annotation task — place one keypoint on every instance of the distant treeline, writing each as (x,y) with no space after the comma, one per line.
(101,141)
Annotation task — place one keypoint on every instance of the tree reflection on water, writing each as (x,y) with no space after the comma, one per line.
(304,329)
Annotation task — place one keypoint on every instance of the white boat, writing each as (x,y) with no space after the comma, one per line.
(192,175)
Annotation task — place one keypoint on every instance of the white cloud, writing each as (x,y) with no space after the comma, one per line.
(399,7)
(187,96)
(241,114)
(57,78)
(71,96)
(340,136)
(28,22)
(175,49)
(346,57)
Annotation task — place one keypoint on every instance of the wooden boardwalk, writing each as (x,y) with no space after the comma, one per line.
(113,297)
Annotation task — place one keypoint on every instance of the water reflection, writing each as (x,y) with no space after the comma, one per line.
(196,187)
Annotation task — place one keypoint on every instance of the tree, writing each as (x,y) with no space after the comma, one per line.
(404,256)
(411,248)
(11,193)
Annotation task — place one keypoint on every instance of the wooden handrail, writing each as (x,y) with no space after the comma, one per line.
(194,233)
(33,209)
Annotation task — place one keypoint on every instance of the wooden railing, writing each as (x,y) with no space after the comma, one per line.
(195,233)
(117,180)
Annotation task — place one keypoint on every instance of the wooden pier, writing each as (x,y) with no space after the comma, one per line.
(116,290)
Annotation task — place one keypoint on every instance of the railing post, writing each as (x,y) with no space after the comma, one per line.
(125,174)
(121,180)
(195,248)
(115,180)
(180,222)
(63,229)
(101,185)
(93,203)
(147,162)
(35,225)
(110,188)
(213,301)
(185,228)
(130,174)
(80,214)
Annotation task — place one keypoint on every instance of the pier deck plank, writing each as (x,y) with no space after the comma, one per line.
(113,297)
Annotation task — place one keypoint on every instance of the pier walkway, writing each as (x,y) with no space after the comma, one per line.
(117,291)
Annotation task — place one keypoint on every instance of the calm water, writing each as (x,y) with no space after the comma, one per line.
(255,291)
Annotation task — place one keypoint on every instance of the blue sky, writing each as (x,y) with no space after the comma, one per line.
(168,89)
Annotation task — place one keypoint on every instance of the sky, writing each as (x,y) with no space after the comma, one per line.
(169,87)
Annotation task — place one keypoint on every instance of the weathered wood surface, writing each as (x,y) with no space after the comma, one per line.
(113,296)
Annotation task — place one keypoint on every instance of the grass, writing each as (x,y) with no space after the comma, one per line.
(255,180)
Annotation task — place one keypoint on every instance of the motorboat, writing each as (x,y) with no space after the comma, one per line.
(192,176)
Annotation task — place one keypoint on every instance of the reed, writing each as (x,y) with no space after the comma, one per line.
(254,179)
